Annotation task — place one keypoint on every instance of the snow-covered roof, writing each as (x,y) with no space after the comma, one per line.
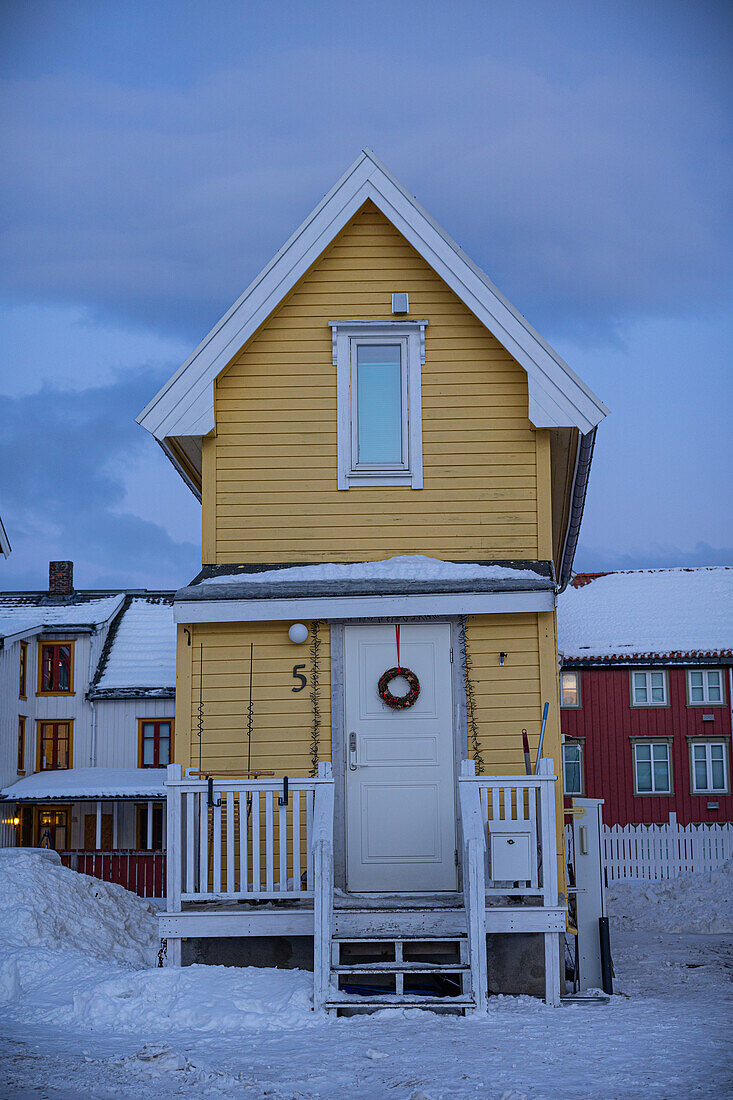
(89,783)
(140,655)
(24,612)
(405,567)
(184,409)
(5,547)
(645,613)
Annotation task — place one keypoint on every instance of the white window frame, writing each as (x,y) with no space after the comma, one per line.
(346,336)
(648,672)
(652,743)
(572,743)
(576,674)
(698,742)
(705,701)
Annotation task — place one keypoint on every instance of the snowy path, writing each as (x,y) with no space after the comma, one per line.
(668,1037)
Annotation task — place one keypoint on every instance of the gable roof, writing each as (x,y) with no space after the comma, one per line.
(647,613)
(183,410)
(139,655)
(25,613)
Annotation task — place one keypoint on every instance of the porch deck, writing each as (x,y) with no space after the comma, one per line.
(255,857)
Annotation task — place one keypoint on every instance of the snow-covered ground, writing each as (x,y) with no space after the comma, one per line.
(85,1015)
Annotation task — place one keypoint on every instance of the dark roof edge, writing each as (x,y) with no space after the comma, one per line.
(114,626)
(98,694)
(577,505)
(722,657)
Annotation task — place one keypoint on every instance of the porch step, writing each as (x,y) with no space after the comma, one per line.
(398,1000)
(403,924)
(401,967)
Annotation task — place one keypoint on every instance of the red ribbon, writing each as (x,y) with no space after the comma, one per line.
(397,638)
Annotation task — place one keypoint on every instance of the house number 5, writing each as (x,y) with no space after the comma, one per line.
(299,676)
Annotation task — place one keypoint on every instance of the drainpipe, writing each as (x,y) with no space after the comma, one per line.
(93,744)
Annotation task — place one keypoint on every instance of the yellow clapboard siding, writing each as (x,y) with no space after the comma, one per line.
(275,408)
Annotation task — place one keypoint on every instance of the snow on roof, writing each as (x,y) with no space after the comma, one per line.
(142,651)
(405,567)
(647,613)
(21,612)
(89,783)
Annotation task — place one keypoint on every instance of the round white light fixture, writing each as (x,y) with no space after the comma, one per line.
(298,633)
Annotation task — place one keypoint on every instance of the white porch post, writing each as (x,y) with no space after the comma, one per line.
(150,826)
(174,856)
(549,879)
(98,840)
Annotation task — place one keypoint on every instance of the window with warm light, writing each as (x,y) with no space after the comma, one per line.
(54,746)
(56,668)
(155,742)
(23,672)
(570,684)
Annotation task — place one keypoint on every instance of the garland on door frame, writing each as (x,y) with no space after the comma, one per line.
(316,726)
(471,701)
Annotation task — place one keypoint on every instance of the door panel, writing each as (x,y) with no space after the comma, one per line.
(400,800)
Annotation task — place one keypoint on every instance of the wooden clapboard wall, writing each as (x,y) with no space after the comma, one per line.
(269,472)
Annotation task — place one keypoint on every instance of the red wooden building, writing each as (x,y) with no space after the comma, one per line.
(647,671)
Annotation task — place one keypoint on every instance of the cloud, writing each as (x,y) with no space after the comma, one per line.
(62,490)
(597,559)
(587,199)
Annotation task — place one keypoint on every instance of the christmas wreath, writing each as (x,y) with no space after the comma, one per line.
(398,702)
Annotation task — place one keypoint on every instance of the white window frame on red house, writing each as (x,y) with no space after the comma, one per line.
(576,689)
(705,674)
(648,673)
(697,743)
(653,743)
(571,743)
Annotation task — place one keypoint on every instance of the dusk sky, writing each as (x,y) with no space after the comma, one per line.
(157,154)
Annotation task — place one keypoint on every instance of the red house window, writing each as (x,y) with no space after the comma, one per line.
(55,668)
(54,746)
(155,742)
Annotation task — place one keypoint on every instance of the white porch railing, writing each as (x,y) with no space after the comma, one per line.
(526,803)
(241,839)
(520,813)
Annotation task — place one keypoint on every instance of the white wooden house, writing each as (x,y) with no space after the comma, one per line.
(87,702)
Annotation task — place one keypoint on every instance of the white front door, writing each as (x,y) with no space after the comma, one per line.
(400,796)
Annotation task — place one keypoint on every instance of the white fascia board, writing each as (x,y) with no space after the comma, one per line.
(5,547)
(21,635)
(361,607)
(558,398)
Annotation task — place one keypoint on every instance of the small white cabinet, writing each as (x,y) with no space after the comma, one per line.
(510,848)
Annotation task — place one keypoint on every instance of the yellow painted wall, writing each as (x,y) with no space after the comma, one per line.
(282,724)
(269,477)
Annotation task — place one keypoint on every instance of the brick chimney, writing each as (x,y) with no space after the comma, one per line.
(60,578)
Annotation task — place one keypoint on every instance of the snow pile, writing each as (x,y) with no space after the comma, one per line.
(700,903)
(143,650)
(43,905)
(405,567)
(216,999)
(647,612)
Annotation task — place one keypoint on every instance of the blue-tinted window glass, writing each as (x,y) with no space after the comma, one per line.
(379,403)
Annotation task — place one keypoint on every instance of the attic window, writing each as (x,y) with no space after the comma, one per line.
(378,368)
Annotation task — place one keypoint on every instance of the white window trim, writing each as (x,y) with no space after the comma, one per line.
(707,745)
(571,743)
(705,701)
(576,674)
(651,741)
(647,672)
(411,335)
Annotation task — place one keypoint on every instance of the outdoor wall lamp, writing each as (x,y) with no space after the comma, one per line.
(502,657)
(298,633)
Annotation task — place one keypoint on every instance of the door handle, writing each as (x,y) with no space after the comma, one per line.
(353,762)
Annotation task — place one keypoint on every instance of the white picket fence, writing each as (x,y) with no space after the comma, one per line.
(663,851)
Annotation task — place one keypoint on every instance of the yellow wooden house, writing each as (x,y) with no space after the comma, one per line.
(392,466)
